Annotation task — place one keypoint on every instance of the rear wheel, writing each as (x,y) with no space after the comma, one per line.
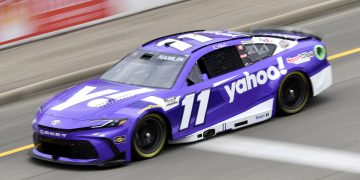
(149,136)
(293,93)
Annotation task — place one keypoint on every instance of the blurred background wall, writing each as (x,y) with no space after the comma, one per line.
(22,20)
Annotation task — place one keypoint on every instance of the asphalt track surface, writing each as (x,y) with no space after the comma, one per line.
(329,125)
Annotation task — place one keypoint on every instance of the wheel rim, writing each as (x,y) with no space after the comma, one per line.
(148,136)
(293,92)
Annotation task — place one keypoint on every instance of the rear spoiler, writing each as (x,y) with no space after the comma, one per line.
(289,33)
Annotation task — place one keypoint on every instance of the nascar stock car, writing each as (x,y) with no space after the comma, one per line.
(181,88)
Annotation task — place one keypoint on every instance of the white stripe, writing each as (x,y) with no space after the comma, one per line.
(126,94)
(284,152)
(223,81)
(161,102)
(196,37)
(256,114)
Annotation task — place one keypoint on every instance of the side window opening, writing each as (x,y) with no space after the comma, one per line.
(220,62)
(194,76)
(252,53)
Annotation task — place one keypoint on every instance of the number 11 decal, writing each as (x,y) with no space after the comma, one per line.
(188,103)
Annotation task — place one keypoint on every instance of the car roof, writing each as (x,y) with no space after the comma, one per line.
(189,42)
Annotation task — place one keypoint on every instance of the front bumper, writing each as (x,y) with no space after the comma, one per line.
(37,155)
(90,147)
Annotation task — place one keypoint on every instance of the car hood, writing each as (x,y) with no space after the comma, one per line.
(94,99)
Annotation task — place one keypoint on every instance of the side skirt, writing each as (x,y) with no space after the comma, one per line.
(256,114)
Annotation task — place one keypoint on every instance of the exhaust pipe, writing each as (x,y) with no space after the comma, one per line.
(209,133)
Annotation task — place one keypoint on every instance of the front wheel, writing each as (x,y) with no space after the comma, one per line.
(149,136)
(293,93)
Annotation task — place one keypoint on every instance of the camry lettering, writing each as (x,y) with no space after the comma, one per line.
(253,80)
(50,133)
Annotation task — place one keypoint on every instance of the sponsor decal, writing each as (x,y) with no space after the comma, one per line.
(266,40)
(165,104)
(51,133)
(301,58)
(151,106)
(119,139)
(218,46)
(87,93)
(171,58)
(171,101)
(284,44)
(259,78)
(262,116)
(55,122)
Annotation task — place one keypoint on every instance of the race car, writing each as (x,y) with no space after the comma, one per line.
(181,88)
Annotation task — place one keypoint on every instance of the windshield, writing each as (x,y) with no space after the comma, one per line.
(146,68)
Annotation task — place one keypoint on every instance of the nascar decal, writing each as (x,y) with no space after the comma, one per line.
(253,80)
(165,104)
(301,58)
(86,94)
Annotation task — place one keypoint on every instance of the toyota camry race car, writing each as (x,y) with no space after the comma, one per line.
(181,88)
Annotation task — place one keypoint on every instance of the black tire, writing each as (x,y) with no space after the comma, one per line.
(293,93)
(149,137)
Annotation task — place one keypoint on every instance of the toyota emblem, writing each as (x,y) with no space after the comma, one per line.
(55,122)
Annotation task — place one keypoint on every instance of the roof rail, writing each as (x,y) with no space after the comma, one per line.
(170,35)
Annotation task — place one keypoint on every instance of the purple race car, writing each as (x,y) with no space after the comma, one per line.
(181,88)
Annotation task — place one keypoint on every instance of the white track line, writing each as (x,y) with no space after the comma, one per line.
(284,152)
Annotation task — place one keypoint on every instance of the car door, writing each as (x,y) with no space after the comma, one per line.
(205,102)
(251,94)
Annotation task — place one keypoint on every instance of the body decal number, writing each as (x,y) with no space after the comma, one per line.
(188,103)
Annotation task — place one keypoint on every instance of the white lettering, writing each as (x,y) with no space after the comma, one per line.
(250,78)
(230,92)
(81,96)
(179,45)
(52,133)
(273,73)
(253,80)
(241,86)
(196,37)
(261,77)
